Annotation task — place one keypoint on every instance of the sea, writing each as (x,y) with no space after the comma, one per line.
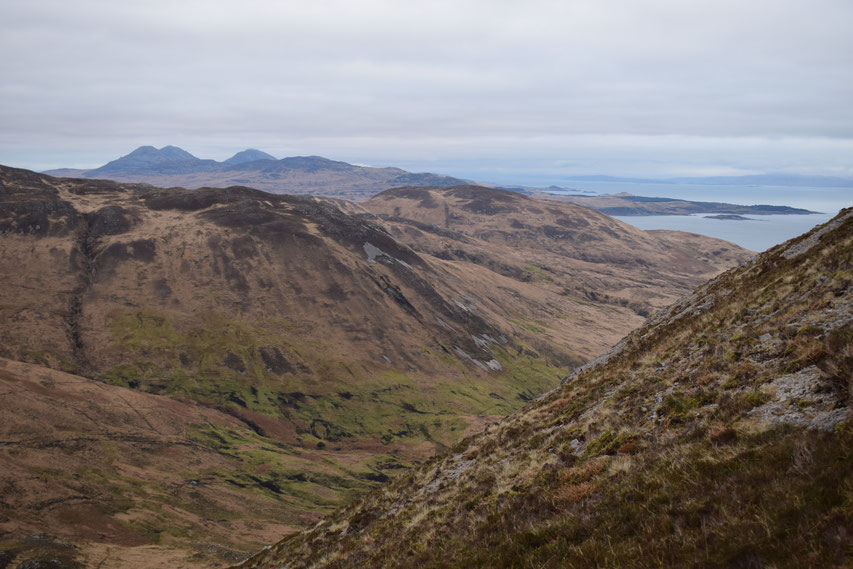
(758,233)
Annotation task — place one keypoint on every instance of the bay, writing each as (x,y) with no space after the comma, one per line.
(757,234)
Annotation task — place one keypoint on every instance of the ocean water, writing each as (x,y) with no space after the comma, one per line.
(758,233)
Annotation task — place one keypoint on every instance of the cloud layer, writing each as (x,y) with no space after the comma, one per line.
(575,86)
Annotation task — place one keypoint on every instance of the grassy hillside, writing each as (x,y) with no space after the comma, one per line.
(717,435)
(95,470)
(313,326)
(571,253)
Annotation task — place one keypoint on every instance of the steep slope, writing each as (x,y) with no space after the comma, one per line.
(564,251)
(717,435)
(172,166)
(277,307)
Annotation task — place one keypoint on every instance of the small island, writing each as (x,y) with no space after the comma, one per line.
(730,217)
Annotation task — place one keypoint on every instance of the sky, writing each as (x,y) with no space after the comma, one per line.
(493,90)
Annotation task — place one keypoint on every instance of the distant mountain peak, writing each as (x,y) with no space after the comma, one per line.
(313,159)
(143,150)
(172,166)
(147,157)
(249,155)
(153,155)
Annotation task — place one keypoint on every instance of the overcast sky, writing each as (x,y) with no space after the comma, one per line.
(491,90)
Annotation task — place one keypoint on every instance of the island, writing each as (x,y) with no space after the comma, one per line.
(625,204)
(730,217)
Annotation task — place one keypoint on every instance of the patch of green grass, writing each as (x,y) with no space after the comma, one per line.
(753,398)
(335,400)
(677,406)
(608,442)
(279,472)
(529,324)
(142,331)
(126,374)
(50,359)
(534,273)
(522,379)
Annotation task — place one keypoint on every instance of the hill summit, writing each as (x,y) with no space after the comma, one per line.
(249,155)
(716,435)
(147,157)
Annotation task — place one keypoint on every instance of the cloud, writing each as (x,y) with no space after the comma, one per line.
(101,77)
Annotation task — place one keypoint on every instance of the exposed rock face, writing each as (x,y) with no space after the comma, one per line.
(707,438)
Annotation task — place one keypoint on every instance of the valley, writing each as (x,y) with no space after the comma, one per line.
(426,285)
(716,435)
(300,350)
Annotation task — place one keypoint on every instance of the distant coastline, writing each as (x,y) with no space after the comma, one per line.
(625,204)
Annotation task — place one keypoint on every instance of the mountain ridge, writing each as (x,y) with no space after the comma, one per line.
(173,166)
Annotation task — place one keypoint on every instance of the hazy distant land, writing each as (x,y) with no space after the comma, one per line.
(629,204)
(171,166)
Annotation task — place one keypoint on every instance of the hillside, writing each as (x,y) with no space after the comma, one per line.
(569,252)
(299,330)
(717,435)
(172,166)
(112,477)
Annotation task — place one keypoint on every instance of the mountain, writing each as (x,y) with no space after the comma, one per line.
(568,253)
(171,166)
(716,435)
(280,355)
(249,155)
(147,159)
(150,155)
